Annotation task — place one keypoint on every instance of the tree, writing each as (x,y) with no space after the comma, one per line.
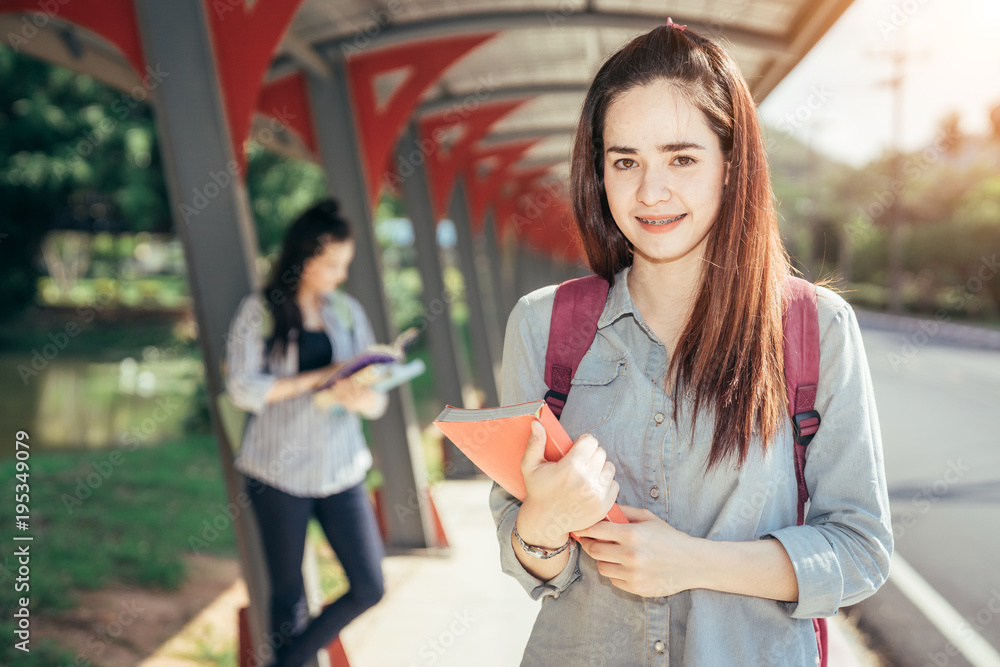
(74,154)
(280,189)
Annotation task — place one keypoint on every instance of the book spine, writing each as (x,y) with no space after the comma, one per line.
(558,442)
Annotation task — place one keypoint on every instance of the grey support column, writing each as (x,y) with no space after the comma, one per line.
(395,437)
(211,216)
(482,356)
(440,332)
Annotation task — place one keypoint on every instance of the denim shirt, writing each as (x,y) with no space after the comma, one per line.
(840,556)
(291,444)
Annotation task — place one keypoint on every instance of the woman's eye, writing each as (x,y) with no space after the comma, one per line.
(621,166)
(690,160)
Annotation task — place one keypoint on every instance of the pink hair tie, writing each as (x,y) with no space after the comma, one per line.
(670,22)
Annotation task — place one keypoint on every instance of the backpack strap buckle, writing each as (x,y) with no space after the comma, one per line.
(556,401)
(804,426)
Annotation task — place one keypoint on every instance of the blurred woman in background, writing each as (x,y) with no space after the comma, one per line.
(301,461)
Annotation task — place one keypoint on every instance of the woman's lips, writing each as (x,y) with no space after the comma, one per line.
(659,222)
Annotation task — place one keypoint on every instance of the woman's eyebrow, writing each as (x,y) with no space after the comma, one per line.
(663,148)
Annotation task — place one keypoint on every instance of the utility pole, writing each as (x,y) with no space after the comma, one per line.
(895,224)
(812,214)
(899,58)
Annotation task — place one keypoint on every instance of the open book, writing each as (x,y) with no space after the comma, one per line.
(495,439)
(374,363)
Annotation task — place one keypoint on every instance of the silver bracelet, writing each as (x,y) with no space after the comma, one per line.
(540,552)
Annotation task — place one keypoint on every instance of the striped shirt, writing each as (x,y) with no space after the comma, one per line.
(291,444)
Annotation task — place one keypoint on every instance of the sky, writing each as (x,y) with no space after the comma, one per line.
(955,67)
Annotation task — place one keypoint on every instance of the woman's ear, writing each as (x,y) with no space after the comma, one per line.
(725,180)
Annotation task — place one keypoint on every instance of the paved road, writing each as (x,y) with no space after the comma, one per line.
(939,409)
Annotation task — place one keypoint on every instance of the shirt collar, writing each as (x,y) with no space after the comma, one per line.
(619,300)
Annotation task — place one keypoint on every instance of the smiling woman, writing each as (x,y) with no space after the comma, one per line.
(679,408)
(663,174)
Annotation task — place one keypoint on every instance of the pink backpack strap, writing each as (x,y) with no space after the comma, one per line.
(801,323)
(577,308)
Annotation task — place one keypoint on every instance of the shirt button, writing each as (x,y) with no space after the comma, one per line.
(654,493)
(659,646)
(658,418)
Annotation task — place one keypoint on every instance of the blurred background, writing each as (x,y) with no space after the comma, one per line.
(884,142)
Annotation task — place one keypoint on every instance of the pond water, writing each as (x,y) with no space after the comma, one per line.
(78,404)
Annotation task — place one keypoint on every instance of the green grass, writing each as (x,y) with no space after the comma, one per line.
(131,525)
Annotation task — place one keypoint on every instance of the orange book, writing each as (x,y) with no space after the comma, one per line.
(495,439)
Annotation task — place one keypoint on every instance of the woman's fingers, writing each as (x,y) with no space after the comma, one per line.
(583,449)
(610,497)
(607,472)
(636,514)
(534,454)
(597,459)
(603,530)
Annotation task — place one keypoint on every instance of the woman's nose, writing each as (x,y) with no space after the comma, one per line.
(653,188)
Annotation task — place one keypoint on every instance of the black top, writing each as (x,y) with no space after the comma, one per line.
(315,350)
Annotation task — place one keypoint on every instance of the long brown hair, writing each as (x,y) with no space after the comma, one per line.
(730,355)
(304,239)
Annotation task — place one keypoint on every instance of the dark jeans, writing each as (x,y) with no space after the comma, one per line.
(348,520)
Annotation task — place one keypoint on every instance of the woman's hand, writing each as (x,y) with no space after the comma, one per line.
(646,557)
(299,384)
(319,376)
(352,395)
(566,495)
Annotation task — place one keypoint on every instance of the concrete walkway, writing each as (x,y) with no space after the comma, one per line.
(460,609)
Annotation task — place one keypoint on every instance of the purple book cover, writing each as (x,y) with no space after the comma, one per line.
(375,354)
